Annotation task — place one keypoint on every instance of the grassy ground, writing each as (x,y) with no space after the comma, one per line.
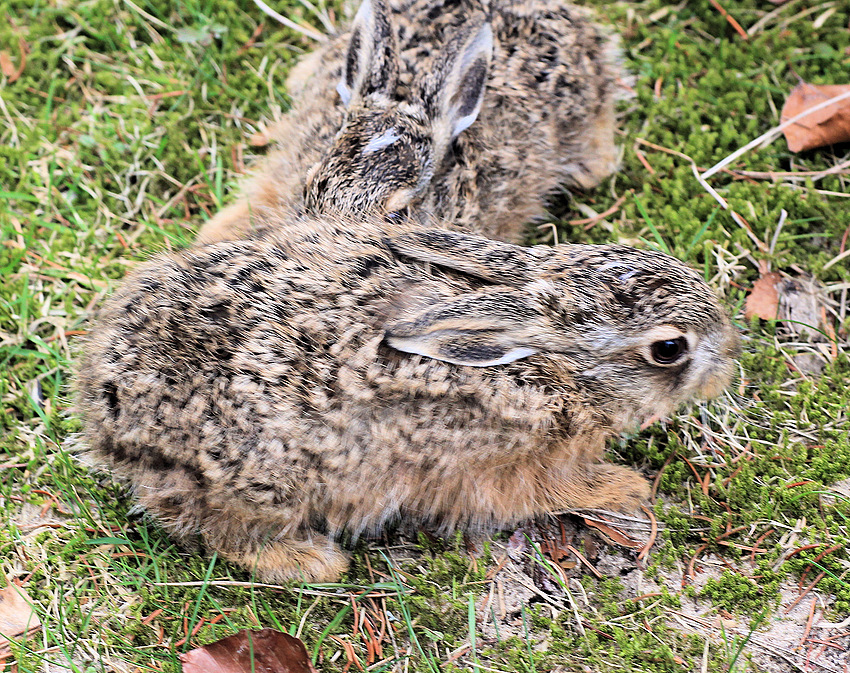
(127,129)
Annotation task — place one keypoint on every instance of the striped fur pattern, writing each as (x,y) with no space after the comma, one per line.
(272,393)
(474,111)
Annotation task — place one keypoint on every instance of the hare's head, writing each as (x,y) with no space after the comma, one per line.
(638,330)
(386,152)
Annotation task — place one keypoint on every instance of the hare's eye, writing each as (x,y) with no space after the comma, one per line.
(669,351)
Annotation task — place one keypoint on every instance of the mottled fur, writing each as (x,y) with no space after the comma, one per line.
(268,393)
(546,120)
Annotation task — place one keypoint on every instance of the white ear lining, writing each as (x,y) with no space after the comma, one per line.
(465,122)
(344,92)
(418,346)
(481,45)
(363,21)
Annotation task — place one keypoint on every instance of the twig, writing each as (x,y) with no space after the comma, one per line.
(689,571)
(809,622)
(806,591)
(588,222)
(774,175)
(730,19)
(652,534)
(835,259)
(581,558)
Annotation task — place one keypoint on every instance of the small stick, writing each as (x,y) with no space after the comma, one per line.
(652,533)
(803,595)
(730,19)
(590,221)
(809,622)
(581,558)
(689,571)
(756,546)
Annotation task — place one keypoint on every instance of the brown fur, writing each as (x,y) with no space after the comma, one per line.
(547,119)
(264,392)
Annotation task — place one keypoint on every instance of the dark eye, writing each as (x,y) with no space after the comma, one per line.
(669,351)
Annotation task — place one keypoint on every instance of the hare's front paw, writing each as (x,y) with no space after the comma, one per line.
(618,488)
(598,486)
(314,560)
(230,223)
(600,156)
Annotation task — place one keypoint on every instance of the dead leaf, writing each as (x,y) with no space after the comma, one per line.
(828,126)
(516,546)
(615,536)
(266,651)
(8,68)
(795,301)
(17,618)
(763,300)
(6,64)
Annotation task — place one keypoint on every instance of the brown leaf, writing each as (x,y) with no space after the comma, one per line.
(6,64)
(763,300)
(16,617)
(825,127)
(8,68)
(614,535)
(266,651)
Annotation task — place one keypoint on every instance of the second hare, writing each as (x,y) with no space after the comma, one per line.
(474,111)
(270,394)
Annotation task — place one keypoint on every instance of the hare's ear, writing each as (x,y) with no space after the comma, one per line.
(491,327)
(454,92)
(371,63)
(493,261)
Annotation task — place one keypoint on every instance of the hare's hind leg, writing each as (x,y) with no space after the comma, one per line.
(312,560)
(236,530)
(260,545)
(615,487)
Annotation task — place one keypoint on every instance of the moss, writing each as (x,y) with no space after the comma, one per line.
(742,595)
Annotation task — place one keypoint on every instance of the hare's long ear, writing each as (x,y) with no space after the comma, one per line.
(491,327)
(371,62)
(493,261)
(454,91)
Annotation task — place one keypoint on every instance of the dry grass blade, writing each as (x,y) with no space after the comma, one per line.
(289,23)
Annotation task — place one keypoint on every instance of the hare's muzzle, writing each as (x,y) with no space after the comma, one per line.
(718,365)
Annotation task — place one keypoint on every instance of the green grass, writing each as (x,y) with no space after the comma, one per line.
(124,134)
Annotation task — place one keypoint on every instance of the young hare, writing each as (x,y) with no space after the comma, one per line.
(271,393)
(471,110)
